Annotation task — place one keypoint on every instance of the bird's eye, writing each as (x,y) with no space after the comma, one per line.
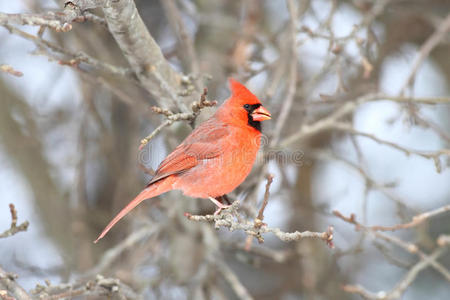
(247,106)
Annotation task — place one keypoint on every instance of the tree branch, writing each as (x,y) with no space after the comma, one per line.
(143,53)
(59,21)
(227,219)
(409,247)
(348,107)
(425,154)
(425,50)
(10,70)
(401,286)
(14,228)
(172,117)
(416,220)
(8,285)
(75,57)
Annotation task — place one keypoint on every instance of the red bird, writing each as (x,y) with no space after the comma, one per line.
(215,158)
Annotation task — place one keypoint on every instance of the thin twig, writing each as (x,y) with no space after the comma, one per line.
(260,217)
(425,50)
(416,220)
(14,228)
(75,57)
(402,285)
(266,197)
(425,154)
(172,117)
(111,255)
(409,247)
(59,21)
(292,86)
(176,22)
(50,20)
(149,137)
(329,121)
(239,289)
(196,107)
(10,70)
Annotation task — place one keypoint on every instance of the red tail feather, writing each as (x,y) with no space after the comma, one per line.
(153,190)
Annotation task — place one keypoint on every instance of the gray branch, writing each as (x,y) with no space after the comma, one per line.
(10,289)
(141,51)
(227,218)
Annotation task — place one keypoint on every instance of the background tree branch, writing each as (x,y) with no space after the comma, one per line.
(360,94)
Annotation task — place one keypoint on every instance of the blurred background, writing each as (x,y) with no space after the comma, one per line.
(362,89)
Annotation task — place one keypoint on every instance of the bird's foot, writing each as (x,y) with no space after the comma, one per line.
(220,206)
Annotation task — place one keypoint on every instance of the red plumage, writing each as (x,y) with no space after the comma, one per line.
(215,158)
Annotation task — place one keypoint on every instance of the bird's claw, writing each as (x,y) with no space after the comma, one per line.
(220,206)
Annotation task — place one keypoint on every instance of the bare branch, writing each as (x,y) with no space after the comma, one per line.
(101,286)
(292,86)
(14,228)
(227,219)
(75,56)
(50,20)
(234,282)
(143,53)
(198,106)
(13,290)
(172,117)
(112,254)
(416,220)
(409,247)
(266,198)
(329,121)
(187,45)
(401,286)
(84,4)
(429,155)
(10,70)
(149,137)
(425,50)
(260,217)
(59,21)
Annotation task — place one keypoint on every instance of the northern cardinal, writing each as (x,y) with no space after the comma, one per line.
(215,158)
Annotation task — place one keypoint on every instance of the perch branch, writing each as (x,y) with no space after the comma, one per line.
(228,220)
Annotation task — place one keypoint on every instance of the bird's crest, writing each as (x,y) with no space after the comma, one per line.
(240,93)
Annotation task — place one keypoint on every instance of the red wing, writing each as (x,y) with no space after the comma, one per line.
(202,143)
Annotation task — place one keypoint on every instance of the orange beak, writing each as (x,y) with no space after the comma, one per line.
(261,114)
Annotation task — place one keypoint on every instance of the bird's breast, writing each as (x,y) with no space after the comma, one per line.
(220,175)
